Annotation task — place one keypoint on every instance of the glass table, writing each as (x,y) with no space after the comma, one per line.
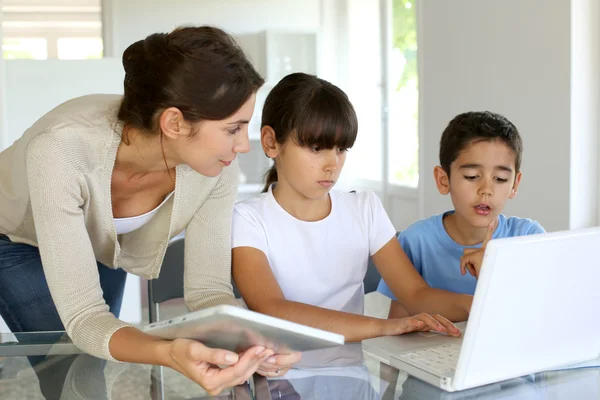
(46,365)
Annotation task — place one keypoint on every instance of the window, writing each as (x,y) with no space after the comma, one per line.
(387,147)
(363,86)
(63,29)
(79,48)
(24,48)
(403,139)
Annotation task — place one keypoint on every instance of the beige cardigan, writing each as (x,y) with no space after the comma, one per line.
(55,194)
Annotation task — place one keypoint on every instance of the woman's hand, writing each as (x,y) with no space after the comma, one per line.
(201,364)
(419,323)
(279,364)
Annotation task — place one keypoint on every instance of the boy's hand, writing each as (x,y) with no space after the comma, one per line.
(472,258)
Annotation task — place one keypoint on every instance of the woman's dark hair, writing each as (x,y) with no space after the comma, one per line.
(199,70)
(311,112)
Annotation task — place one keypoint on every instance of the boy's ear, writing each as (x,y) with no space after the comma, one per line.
(515,188)
(268,140)
(442,181)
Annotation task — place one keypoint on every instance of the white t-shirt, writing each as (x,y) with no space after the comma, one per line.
(321,263)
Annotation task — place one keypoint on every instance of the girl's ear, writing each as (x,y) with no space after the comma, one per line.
(268,141)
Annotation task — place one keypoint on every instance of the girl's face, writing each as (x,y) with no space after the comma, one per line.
(311,172)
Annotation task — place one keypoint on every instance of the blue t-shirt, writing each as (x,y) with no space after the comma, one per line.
(437,257)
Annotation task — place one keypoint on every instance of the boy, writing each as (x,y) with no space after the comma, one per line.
(480,160)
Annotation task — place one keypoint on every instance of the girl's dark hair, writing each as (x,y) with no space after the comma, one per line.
(199,70)
(311,112)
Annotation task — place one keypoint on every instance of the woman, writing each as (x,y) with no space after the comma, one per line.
(98,186)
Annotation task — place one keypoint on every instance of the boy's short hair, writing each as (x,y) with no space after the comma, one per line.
(474,125)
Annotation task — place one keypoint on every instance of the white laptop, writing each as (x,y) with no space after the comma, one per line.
(237,329)
(535,309)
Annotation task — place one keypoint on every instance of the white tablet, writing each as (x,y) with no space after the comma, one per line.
(237,329)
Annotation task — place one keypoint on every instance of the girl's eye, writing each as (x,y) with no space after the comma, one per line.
(234,130)
(342,150)
(316,149)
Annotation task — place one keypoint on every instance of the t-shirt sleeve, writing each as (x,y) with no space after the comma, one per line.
(381,229)
(247,230)
(407,242)
(405,238)
(535,228)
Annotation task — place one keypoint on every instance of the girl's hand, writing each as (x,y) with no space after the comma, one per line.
(420,323)
(279,364)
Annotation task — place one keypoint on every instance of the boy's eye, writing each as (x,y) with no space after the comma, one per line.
(501,180)
(471,177)
(342,150)
(316,149)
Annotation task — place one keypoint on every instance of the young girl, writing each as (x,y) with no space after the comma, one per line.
(300,250)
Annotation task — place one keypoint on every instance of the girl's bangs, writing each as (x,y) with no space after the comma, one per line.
(328,121)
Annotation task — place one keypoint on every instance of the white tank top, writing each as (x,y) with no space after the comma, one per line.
(130,224)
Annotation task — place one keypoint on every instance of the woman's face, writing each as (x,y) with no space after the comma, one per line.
(216,144)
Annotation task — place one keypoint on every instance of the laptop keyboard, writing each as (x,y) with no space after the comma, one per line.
(439,360)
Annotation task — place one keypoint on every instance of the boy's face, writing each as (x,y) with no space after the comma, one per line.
(481,179)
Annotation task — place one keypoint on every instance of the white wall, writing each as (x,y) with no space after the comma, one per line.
(585,85)
(403,207)
(132,22)
(514,57)
(34,87)
(332,44)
